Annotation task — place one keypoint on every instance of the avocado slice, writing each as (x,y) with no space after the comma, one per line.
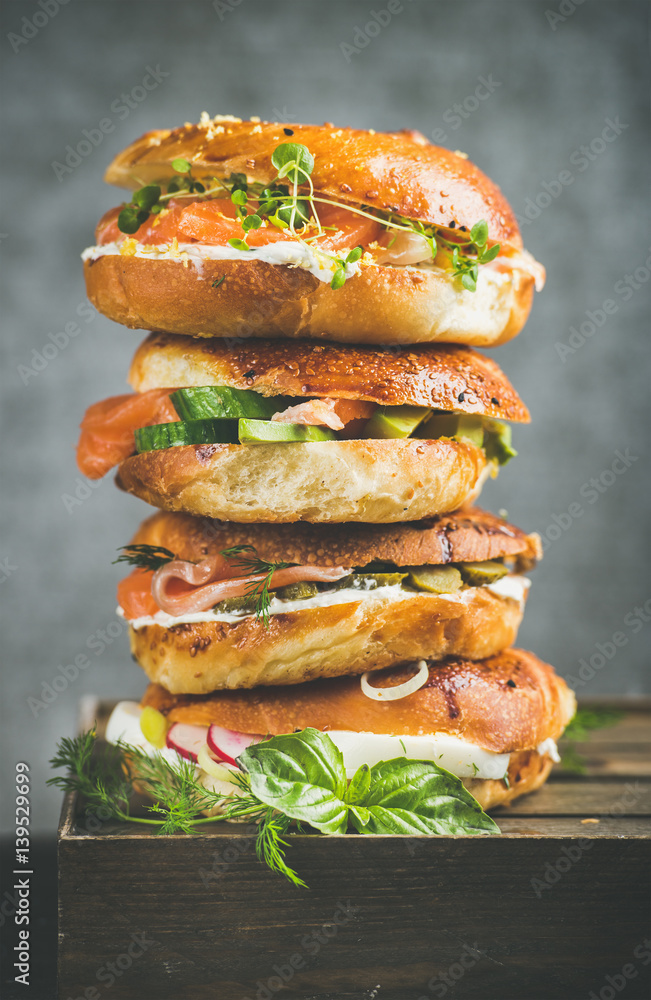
(436,579)
(274,431)
(498,441)
(462,426)
(395,421)
(476,574)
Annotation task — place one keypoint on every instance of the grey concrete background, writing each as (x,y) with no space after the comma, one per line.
(555,79)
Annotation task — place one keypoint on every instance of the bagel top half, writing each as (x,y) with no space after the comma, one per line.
(441,376)
(509,702)
(181,274)
(469,535)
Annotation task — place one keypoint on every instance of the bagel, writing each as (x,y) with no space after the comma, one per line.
(329,481)
(340,632)
(359,478)
(192,282)
(443,377)
(507,703)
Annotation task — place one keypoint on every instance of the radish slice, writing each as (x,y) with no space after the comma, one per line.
(228,744)
(186,740)
(400,690)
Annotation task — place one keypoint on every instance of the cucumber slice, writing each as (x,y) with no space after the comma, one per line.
(220,402)
(186,432)
(270,431)
(395,421)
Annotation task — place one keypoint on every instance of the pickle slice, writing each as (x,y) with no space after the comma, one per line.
(436,579)
(297,591)
(153,726)
(246,604)
(479,573)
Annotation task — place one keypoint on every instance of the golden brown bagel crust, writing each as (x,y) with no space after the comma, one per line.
(341,639)
(444,377)
(329,481)
(393,172)
(470,535)
(508,702)
(380,305)
(528,770)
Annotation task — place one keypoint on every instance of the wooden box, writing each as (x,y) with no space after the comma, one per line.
(554,909)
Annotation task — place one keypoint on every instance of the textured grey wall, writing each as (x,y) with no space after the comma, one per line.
(556,80)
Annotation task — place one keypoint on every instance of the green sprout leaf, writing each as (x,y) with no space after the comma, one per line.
(251,222)
(181,165)
(338,278)
(479,233)
(146,197)
(354,255)
(239,197)
(130,219)
(238,244)
(289,155)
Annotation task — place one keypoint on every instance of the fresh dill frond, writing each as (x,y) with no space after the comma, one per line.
(247,559)
(145,556)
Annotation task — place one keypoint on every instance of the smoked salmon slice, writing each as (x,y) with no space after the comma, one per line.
(107,430)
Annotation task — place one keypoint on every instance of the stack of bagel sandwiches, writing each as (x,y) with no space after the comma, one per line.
(314,424)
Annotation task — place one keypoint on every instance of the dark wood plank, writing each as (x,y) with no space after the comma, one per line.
(546,925)
(552,907)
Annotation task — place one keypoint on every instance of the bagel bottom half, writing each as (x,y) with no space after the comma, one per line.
(376,630)
(512,703)
(365,480)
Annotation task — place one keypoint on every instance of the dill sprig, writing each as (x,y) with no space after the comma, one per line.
(586,721)
(145,556)
(292,207)
(247,559)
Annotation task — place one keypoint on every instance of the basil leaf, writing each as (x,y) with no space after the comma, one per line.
(418,797)
(301,775)
(360,785)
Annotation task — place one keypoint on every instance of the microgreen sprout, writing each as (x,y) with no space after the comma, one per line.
(292,206)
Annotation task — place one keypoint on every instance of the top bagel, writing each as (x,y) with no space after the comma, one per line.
(385,192)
